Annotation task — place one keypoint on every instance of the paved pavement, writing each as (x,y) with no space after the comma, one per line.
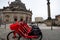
(48,34)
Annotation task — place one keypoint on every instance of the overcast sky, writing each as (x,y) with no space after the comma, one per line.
(38,7)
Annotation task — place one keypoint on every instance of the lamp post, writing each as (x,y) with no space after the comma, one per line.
(52,25)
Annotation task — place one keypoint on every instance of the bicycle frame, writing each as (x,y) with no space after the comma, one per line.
(23,30)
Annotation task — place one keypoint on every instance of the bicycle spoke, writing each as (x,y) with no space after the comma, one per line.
(10,36)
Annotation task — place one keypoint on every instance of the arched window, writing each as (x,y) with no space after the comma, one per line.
(7,18)
(30,19)
(27,19)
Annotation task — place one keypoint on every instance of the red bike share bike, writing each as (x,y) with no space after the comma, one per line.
(26,32)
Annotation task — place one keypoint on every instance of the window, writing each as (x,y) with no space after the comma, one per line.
(7,16)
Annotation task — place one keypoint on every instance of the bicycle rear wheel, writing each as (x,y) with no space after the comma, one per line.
(10,36)
(39,38)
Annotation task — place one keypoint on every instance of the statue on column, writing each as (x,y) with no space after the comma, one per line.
(17,0)
(49,14)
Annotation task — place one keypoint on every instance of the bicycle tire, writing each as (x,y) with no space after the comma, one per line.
(10,34)
(29,39)
(39,38)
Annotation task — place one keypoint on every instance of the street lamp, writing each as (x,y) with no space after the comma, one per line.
(52,25)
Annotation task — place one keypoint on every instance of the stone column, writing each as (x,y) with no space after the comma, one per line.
(48,5)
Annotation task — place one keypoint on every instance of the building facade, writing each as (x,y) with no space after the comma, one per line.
(53,22)
(57,22)
(39,19)
(15,10)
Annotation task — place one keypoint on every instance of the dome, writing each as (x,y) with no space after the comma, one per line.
(18,5)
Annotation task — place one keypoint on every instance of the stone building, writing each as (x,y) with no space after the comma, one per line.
(15,10)
(39,19)
(57,22)
(53,22)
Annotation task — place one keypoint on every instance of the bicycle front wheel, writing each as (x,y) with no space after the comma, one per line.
(10,36)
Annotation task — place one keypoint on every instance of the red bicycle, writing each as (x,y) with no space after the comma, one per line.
(26,32)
